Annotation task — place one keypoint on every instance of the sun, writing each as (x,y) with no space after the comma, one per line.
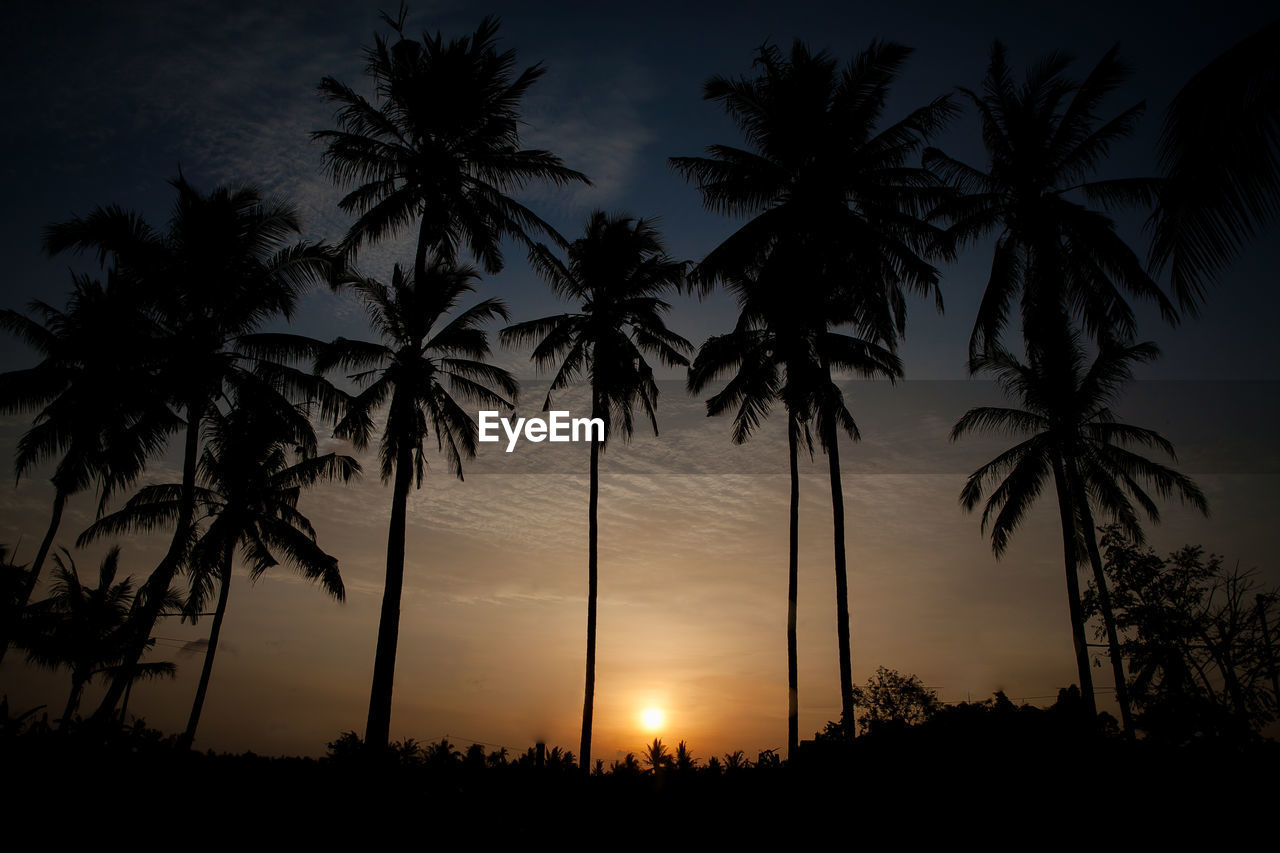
(652,718)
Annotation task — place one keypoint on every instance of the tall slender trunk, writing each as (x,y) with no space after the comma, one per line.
(189,736)
(593,530)
(149,602)
(73,700)
(420,253)
(842,577)
(1261,602)
(1104,601)
(793,584)
(124,702)
(1072,559)
(377,731)
(33,574)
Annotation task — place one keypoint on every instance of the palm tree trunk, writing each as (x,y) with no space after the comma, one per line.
(73,700)
(842,577)
(1071,556)
(33,574)
(420,252)
(124,702)
(377,733)
(1104,603)
(793,583)
(149,602)
(1261,602)
(189,736)
(593,531)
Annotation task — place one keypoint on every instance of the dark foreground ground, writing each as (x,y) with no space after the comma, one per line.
(994,785)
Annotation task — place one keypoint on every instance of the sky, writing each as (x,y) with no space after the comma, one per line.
(105,102)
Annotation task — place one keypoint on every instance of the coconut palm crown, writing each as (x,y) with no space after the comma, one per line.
(617,272)
(439,146)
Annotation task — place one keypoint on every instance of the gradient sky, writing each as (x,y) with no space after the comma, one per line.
(104,104)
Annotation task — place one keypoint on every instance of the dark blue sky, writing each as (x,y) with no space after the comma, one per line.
(103,102)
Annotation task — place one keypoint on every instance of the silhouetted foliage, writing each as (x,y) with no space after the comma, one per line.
(87,629)
(257,458)
(1056,249)
(1196,638)
(1070,435)
(1220,154)
(619,272)
(736,761)
(439,146)
(836,236)
(100,410)
(658,757)
(424,361)
(628,766)
(893,699)
(223,268)
(684,760)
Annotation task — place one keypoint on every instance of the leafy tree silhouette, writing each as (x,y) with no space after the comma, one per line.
(1195,634)
(892,699)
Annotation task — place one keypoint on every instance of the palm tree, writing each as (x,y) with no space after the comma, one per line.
(250,485)
(95,398)
(221,270)
(657,756)
(86,628)
(438,147)
(823,178)
(777,352)
(1069,432)
(423,358)
(1220,154)
(617,272)
(1056,249)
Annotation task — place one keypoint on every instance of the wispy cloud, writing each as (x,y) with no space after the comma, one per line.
(595,125)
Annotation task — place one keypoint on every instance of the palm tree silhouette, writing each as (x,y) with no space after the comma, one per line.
(1055,249)
(86,629)
(824,179)
(658,757)
(221,270)
(250,485)
(423,358)
(1070,434)
(617,271)
(1220,154)
(439,146)
(96,401)
(780,351)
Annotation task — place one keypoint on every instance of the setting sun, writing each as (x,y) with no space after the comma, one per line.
(652,718)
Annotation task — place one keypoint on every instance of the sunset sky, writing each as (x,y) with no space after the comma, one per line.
(104,102)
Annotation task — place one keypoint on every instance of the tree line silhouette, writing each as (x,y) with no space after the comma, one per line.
(844,216)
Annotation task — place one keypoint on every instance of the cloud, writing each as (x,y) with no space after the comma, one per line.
(595,125)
